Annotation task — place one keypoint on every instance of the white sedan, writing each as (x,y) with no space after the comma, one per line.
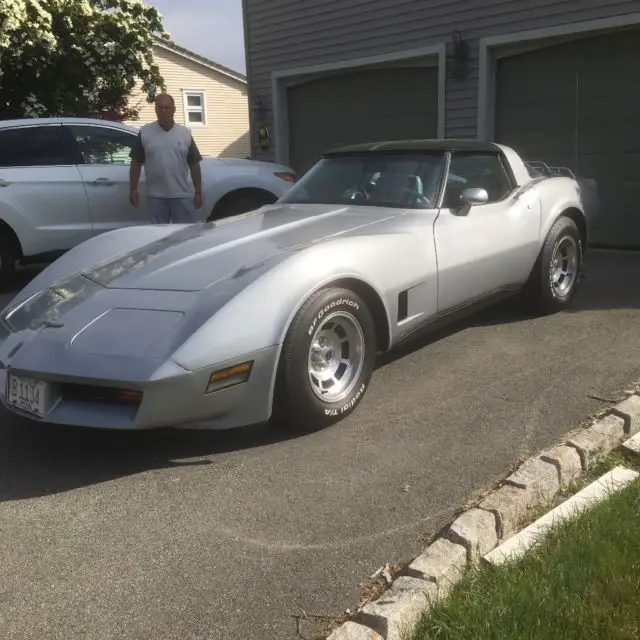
(65,180)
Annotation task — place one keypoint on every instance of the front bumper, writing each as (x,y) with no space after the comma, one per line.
(170,397)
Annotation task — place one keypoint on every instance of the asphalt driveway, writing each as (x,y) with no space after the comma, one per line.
(194,536)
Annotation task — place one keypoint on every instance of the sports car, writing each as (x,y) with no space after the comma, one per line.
(280,313)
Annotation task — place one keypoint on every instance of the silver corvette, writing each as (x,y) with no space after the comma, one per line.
(282,311)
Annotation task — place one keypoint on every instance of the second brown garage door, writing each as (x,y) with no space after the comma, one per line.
(362,106)
(577,105)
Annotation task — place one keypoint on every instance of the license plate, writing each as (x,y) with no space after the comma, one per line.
(27,394)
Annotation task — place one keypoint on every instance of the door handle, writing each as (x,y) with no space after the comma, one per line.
(103,182)
(4,183)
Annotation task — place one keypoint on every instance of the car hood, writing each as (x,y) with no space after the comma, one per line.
(197,256)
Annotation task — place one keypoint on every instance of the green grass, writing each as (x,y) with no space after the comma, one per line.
(581,581)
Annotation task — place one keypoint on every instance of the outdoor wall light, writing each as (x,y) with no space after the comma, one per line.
(257,108)
(460,58)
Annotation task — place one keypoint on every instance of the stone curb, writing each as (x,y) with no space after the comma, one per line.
(598,491)
(488,525)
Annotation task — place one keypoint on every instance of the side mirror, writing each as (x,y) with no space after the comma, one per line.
(474,196)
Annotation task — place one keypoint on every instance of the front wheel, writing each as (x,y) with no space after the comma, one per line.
(236,203)
(556,274)
(327,360)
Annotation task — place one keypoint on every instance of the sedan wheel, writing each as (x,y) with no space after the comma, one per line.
(7,261)
(326,362)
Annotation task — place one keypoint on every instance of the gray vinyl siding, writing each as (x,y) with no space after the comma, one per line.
(285,34)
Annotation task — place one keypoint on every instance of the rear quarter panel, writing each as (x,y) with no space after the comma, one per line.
(46,207)
(556,196)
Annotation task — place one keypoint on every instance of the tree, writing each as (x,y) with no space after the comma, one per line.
(77,57)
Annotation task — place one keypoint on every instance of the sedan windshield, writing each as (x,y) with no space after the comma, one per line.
(402,180)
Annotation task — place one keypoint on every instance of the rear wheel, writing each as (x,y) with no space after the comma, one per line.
(8,257)
(327,360)
(238,202)
(555,277)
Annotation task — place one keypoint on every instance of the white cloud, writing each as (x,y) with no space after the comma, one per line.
(212,28)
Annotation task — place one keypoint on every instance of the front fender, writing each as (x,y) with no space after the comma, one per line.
(260,314)
(214,191)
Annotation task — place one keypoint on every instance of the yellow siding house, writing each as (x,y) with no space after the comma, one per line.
(210,99)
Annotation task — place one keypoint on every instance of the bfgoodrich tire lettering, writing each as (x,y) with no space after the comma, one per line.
(555,277)
(327,360)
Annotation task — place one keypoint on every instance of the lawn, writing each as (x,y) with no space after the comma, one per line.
(582,581)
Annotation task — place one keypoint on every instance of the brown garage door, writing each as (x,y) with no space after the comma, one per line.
(362,106)
(577,105)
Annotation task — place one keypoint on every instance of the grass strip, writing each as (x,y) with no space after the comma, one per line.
(581,580)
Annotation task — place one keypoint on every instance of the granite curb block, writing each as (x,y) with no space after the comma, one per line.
(488,525)
(596,492)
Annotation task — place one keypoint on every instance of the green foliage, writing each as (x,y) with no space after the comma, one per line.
(77,57)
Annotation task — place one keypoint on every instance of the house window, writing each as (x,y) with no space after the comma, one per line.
(194,108)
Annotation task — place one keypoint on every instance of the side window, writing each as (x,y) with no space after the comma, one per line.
(102,145)
(194,108)
(484,171)
(39,146)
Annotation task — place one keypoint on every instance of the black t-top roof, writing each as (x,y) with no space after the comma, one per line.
(416,146)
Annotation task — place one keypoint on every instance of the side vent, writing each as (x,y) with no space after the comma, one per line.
(403,305)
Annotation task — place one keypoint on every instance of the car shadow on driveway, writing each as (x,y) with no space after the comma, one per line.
(611,282)
(44,459)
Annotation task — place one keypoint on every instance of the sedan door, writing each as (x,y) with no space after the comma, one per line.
(486,248)
(42,197)
(103,157)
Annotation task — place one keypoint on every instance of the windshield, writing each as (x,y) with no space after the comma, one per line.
(405,181)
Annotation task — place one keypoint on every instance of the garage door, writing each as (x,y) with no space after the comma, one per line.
(576,105)
(362,106)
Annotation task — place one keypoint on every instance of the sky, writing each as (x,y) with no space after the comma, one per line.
(212,28)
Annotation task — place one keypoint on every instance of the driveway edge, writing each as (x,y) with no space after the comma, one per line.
(498,517)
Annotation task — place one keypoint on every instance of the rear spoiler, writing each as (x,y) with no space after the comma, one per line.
(539,169)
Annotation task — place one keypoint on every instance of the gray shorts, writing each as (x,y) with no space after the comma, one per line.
(176,210)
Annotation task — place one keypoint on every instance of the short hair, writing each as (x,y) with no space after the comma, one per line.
(160,96)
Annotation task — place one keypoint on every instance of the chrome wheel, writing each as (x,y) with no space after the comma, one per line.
(564,266)
(336,357)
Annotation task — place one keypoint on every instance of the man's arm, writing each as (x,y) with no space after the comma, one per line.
(193,160)
(137,160)
(134,174)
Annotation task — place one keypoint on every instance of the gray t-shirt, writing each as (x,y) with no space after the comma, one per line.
(166,156)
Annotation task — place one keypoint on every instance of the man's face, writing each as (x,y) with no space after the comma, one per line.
(165,110)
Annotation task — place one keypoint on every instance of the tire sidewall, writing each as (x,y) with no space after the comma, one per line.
(306,401)
(237,205)
(564,228)
(7,261)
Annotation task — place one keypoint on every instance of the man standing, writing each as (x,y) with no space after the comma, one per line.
(169,154)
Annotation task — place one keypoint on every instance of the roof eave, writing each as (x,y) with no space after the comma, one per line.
(198,59)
